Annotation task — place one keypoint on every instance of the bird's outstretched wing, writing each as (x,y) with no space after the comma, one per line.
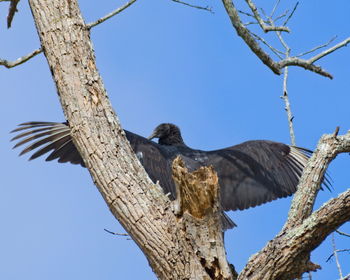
(55,139)
(256,172)
(250,174)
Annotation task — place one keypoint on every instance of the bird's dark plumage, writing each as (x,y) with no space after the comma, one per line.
(251,173)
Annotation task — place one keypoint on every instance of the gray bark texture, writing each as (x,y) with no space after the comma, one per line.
(181,239)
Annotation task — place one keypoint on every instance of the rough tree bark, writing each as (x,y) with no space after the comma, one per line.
(181,239)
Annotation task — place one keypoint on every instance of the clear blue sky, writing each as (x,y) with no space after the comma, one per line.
(161,62)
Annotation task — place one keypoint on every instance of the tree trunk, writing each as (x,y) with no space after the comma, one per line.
(172,245)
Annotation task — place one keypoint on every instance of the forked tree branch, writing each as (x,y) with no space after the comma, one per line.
(288,253)
(252,43)
(285,257)
(262,24)
(243,32)
(23,59)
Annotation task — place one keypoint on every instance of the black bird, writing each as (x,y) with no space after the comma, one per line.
(250,173)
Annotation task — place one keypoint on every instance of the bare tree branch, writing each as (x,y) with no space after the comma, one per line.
(291,14)
(207,8)
(288,252)
(280,16)
(330,50)
(274,8)
(10,64)
(116,233)
(288,109)
(339,251)
(108,16)
(342,233)
(276,67)
(247,37)
(262,40)
(306,64)
(262,24)
(317,48)
(335,253)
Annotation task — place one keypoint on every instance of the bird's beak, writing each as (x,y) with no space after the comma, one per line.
(154,135)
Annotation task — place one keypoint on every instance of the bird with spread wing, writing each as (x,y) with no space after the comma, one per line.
(250,173)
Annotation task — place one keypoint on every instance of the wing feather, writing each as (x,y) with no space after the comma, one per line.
(256,172)
(49,136)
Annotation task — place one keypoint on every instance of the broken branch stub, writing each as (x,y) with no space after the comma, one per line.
(199,219)
(197,192)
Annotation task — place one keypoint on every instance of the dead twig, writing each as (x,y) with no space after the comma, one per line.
(291,14)
(206,8)
(261,22)
(330,50)
(108,16)
(335,253)
(288,109)
(10,64)
(116,233)
(342,233)
(262,40)
(251,41)
(317,48)
(339,251)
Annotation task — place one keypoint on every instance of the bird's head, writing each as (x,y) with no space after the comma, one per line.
(167,134)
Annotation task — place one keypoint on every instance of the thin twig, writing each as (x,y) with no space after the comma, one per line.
(248,38)
(207,8)
(280,38)
(317,48)
(342,233)
(245,13)
(10,64)
(274,50)
(338,251)
(108,16)
(281,16)
(336,256)
(263,26)
(274,8)
(290,116)
(330,50)
(115,233)
(250,23)
(276,67)
(291,14)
